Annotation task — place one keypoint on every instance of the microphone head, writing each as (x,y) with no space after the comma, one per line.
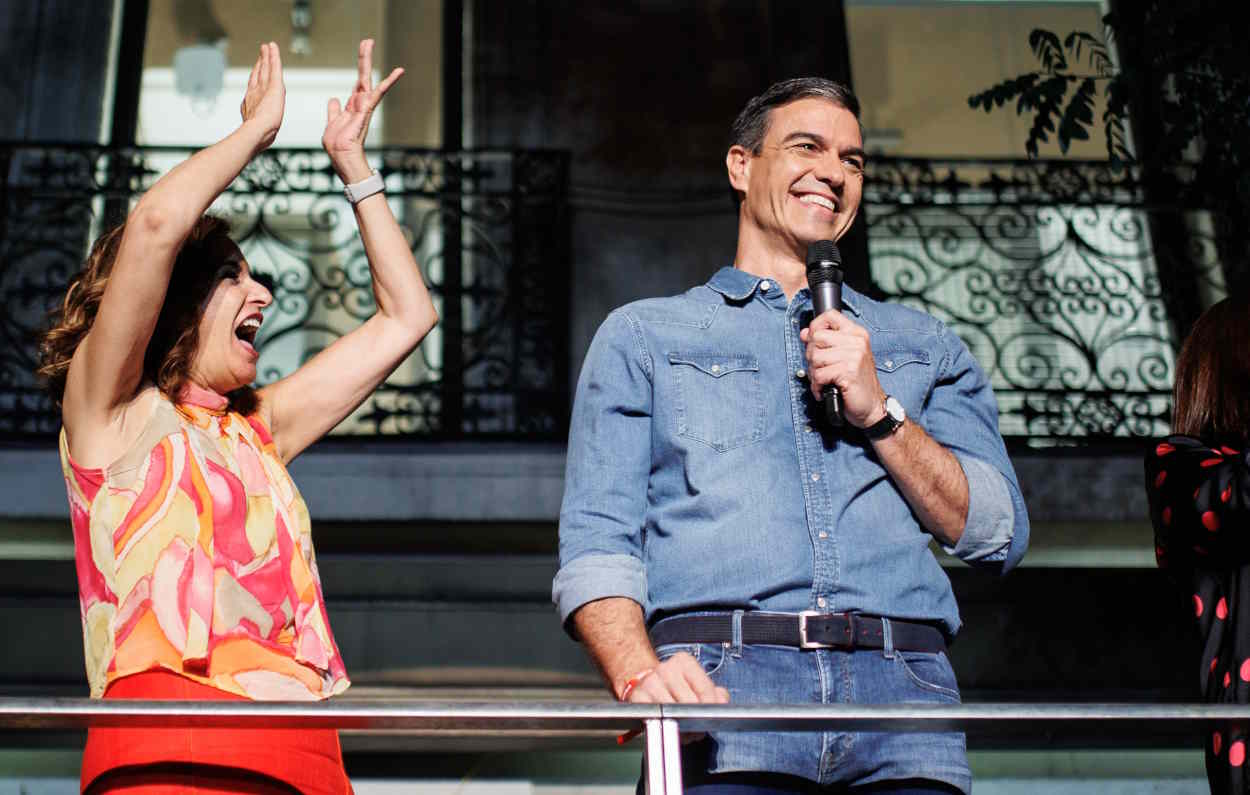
(824,263)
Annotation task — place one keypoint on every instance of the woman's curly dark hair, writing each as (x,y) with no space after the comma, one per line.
(170,351)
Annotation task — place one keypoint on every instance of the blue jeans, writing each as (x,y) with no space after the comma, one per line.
(779,784)
(761,674)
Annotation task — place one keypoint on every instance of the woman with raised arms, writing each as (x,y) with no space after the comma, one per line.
(196,572)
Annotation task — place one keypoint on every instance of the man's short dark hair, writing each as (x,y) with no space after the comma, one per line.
(751,126)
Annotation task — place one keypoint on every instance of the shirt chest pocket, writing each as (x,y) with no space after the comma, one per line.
(905,374)
(719,402)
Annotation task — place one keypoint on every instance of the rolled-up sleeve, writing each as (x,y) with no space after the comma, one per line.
(597,576)
(962,415)
(991,520)
(607,471)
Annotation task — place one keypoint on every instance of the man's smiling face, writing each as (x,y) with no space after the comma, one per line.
(806,181)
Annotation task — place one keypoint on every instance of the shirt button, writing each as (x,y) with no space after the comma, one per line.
(821,602)
(823,534)
(766,285)
(800,374)
(815,476)
(808,429)
(889,362)
(716,368)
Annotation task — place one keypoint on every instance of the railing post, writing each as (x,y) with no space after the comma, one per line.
(663,756)
(653,756)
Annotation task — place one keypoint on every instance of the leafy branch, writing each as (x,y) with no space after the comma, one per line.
(1056,92)
(1187,82)
(1184,81)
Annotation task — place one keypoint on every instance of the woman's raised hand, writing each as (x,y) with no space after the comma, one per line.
(265,100)
(347,125)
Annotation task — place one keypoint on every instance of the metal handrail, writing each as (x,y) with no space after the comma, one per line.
(420,715)
(661,723)
(1142,719)
(400,715)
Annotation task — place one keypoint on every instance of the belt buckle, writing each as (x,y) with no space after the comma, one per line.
(804,643)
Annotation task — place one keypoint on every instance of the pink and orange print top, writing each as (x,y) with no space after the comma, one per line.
(194,554)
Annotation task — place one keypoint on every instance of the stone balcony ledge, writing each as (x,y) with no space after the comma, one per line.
(515,482)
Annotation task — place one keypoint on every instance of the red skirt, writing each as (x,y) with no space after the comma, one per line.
(151,761)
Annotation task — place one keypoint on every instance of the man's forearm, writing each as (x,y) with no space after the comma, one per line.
(615,635)
(930,478)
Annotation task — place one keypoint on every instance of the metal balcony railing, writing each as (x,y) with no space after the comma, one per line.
(660,724)
(1067,279)
(489,229)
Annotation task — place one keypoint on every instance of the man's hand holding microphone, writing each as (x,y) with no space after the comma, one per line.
(841,370)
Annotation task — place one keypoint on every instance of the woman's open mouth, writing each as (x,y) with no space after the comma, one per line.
(246,333)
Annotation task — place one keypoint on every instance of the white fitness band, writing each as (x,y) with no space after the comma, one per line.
(365,188)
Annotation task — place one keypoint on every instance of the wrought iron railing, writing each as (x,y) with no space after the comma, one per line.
(489,229)
(1054,273)
(1062,276)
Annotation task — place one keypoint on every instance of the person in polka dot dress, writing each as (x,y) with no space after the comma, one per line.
(1198,482)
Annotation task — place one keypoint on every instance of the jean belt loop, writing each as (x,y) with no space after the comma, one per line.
(737,633)
(887,639)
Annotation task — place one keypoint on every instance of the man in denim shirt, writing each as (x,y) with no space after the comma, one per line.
(721,540)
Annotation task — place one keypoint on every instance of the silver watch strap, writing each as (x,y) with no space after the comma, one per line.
(365,188)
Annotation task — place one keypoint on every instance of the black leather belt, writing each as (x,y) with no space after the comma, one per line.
(807,630)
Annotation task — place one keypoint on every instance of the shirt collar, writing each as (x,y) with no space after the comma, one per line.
(734,284)
(195,395)
(738,285)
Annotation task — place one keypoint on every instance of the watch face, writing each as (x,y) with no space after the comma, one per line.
(895,410)
(894,417)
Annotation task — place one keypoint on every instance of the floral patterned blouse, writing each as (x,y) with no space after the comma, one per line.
(1199,501)
(194,554)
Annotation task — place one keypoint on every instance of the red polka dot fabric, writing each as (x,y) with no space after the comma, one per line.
(1198,494)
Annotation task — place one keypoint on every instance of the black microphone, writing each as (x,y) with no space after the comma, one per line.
(824,279)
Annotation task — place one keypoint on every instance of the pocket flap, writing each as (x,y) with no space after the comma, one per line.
(716,364)
(889,361)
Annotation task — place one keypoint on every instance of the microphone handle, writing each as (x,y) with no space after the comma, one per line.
(825,297)
(832,399)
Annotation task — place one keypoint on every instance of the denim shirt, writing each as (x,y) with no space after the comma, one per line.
(702,474)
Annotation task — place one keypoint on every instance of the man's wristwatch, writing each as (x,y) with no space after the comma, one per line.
(365,188)
(894,418)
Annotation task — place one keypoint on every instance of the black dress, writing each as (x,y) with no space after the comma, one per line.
(1199,494)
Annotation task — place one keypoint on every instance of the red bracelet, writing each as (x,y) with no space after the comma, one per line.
(633,683)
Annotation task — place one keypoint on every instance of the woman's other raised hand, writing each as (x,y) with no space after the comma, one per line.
(265,100)
(348,124)
(307,404)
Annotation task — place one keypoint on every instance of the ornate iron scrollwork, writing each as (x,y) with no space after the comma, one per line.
(1049,272)
(292,222)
